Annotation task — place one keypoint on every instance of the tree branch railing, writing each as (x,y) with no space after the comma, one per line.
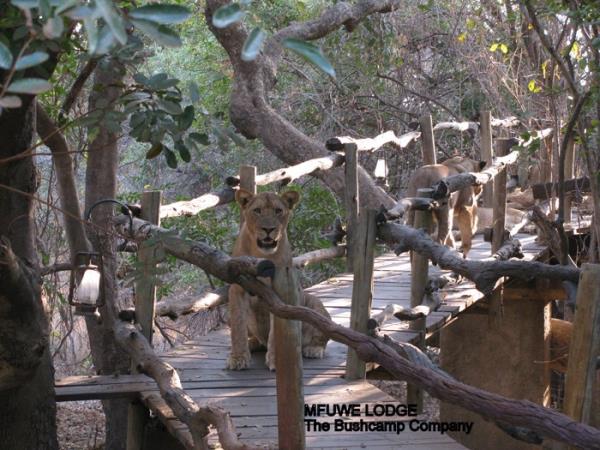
(504,411)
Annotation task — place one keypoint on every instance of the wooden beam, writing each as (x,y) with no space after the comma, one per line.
(418,283)
(145,299)
(486,154)
(288,361)
(322,254)
(499,204)
(585,348)
(427,140)
(351,200)
(362,286)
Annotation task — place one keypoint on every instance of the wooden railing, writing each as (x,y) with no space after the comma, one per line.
(361,229)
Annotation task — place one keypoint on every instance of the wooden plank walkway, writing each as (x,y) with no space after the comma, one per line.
(250,395)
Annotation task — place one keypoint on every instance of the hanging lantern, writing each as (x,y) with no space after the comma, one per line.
(85,294)
(381,172)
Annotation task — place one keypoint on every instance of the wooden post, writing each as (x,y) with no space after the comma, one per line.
(145,297)
(362,287)
(486,153)
(352,200)
(288,361)
(427,140)
(499,205)
(584,351)
(419,276)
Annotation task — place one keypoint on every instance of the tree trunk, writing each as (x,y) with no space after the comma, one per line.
(28,411)
(101,183)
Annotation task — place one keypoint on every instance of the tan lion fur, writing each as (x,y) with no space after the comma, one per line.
(263,234)
(461,204)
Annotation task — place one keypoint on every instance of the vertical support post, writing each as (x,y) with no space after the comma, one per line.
(569,174)
(486,153)
(362,287)
(145,297)
(419,276)
(584,351)
(499,206)
(427,140)
(288,360)
(352,200)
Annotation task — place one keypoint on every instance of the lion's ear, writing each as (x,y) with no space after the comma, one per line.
(243,197)
(482,164)
(290,198)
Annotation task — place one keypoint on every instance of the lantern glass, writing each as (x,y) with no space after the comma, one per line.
(88,290)
(381,170)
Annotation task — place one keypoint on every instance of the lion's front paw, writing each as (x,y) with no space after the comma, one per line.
(270,360)
(313,352)
(238,362)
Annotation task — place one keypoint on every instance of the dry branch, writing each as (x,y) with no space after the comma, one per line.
(319,255)
(194,206)
(509,122)
(483,273)
(544,421)
(459,126)
(173,308)
(411,204)
(455,183)
(372,144)
(197,418)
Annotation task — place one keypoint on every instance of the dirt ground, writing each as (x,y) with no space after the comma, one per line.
(80,425)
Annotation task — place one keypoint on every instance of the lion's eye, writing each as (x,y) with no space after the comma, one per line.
(256,210)
(278,211)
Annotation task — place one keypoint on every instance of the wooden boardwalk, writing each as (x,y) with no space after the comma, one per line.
(250,395)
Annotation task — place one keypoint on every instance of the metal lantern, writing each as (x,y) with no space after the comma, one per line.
(85,288)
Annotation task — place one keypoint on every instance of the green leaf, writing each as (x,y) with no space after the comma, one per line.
(31,60)
(162,34)
(29,86)
(91,30)
(80,13)
(170,107)
(10,101)
(185,120)
(6,57)
(311,53)
(113,19)
(25,4)
(44,8)
(165,14)
(503,48)
(154,151)
(227,14)
(494,47)
(253,44)
(170,157)
(183,151)
(201,138)
(65,6)
(106,41)
(54,27)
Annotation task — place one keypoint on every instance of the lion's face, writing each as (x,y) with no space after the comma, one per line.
(266,217)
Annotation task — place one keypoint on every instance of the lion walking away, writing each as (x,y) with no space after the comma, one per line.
(263,234)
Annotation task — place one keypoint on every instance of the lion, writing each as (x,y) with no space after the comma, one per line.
(263,234)
(462,204)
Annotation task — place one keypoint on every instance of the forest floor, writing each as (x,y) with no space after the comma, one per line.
(80,425)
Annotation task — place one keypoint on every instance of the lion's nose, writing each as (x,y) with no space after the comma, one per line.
(268,230)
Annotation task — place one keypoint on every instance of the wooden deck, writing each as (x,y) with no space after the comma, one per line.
(250,395)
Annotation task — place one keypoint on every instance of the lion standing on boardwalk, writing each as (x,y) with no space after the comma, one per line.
(263,234)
